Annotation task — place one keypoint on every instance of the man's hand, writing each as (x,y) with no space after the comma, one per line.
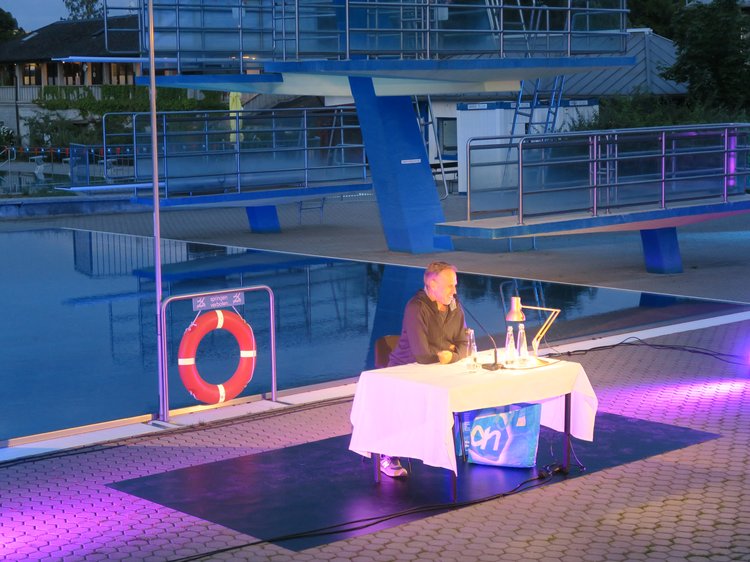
(445,356)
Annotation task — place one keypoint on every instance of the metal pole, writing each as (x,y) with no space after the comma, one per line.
(663,202)
(468,180)
(520,181)
(163,387)
(15,99)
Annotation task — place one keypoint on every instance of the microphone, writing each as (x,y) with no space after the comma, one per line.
(489,366)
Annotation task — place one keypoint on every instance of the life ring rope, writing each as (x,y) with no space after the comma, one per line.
(195,332)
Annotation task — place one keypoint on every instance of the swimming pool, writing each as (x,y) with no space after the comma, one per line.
(79,328)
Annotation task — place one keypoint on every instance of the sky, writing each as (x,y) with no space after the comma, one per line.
(33,14)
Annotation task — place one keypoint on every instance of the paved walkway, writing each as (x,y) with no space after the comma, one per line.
(689,504)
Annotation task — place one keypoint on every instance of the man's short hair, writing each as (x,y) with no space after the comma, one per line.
(435,268)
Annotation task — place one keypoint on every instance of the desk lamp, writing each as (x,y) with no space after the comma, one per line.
(515,314)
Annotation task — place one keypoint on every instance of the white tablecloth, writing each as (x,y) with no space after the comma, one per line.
(407,411)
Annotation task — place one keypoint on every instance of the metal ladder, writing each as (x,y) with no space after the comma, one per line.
(541,95)
(425,121)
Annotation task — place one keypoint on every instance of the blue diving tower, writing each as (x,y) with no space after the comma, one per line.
(380,55)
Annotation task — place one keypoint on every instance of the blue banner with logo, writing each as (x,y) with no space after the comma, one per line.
(502,436)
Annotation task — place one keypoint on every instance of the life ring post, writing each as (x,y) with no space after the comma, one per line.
(207,320)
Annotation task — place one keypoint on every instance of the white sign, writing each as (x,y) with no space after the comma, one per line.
(224,300)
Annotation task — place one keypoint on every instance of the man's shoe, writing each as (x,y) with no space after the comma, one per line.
(391,466)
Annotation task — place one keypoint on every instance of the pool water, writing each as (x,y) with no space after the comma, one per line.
(79,328)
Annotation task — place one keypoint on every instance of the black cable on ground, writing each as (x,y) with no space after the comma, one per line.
(730,358)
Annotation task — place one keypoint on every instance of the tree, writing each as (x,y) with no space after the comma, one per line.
(713,54)
(655,14)
(8,26)
(84,9)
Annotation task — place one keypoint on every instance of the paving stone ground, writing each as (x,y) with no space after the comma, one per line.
(689,504)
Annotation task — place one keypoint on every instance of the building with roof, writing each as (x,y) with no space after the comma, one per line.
(36,60)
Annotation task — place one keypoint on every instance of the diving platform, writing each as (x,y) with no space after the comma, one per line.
(457,75)
(378,54)
(658,227)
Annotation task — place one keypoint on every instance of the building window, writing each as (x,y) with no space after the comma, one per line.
(72,74)
(447,136)
(52,74)
(97,73)
(122,74)
(32,74)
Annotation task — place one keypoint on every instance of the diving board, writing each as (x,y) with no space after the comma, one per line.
(658,228)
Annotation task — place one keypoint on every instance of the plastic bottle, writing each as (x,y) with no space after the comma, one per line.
(523,347)
(472,349)
(510,347)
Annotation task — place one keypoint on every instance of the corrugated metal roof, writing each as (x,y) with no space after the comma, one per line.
(653,54)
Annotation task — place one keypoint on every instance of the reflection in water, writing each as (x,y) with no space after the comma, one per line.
(79,336)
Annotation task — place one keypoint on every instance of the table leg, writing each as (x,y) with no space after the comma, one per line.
(458,424)
(567,446)
(376,465)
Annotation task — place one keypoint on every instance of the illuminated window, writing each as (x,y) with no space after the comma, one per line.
(32,74)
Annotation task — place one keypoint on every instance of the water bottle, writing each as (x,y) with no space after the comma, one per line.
(510,347)
(523,347)
(471,349)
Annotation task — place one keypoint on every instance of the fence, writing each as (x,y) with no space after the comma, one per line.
(604,172)
(221,152)
(232,35)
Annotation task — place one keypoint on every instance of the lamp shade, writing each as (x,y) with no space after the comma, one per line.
(515,314)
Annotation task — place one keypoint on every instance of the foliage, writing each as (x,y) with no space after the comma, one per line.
(7,136)
(658,15)
(50,129)
(84,9)
(55,129)
(124,98)
(8,26)
(713,54)
(647,110)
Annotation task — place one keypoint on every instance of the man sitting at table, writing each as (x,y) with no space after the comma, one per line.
(433,331)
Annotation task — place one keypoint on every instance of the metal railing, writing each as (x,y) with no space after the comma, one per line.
(605,172)
(223,152)
(233,35)
(7,155)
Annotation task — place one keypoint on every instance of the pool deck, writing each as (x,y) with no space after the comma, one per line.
(688,504)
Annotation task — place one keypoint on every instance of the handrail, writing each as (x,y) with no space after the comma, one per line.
(164,375)
(615,169)
(8,153)
(235,34)
(220,151)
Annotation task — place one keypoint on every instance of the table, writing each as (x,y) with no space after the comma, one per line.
(408,411)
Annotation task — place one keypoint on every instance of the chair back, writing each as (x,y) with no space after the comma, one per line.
(383,348)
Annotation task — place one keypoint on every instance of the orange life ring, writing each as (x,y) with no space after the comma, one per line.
(241,330)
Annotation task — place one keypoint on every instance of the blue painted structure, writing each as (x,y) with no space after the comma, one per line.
(407,198)
(373,50)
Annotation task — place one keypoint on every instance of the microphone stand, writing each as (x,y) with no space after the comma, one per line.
(489,366)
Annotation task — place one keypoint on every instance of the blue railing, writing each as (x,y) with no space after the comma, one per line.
(605,172)
(235,35)
(224,152)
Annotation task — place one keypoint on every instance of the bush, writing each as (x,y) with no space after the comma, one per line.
(7,136)
(647,110)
